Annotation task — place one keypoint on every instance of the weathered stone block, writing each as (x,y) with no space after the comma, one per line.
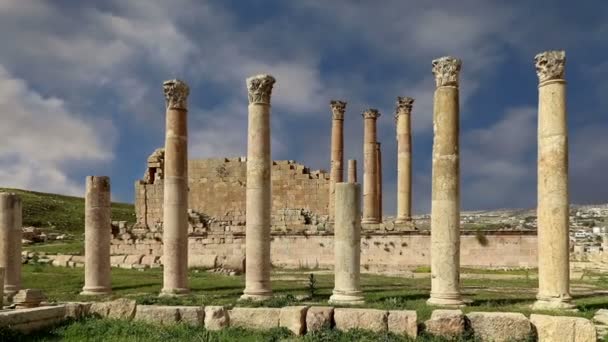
(294,319)
(601,316)
(446,323)
(563,329)
(500,326)
(254,318)
(28,320)
(367,319)
(157,314)
(77,310)
(403,322)
(192,315)
(319,317)
(202,261)
(216,317)
(119,309)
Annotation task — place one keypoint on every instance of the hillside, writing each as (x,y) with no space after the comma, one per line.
(62,213)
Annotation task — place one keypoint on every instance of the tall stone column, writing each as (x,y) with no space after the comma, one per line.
(347,245)
(379,180)
(404,159)
(352,171)
(258,198)
(337,150)
(97,236)
(370,167)
(10,241)
(553,207)
(445,204)
(175,199)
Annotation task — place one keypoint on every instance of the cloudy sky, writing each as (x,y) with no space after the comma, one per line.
(81,86)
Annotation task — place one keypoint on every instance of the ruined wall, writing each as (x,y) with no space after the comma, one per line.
(380,252)
(217,190)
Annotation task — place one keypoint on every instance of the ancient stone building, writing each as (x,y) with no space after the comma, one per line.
(217,192)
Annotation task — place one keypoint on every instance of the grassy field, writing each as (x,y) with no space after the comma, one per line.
(514,293)
(62,213)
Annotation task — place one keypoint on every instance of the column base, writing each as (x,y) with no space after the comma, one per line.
(554,304)
(403,220)
(348,298)
(174,292)
(370,221)
(256,297)
(95,291)
(453,301)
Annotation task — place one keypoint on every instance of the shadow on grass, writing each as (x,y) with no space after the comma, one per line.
(134,286)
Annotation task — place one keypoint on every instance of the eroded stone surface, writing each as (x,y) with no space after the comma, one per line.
(366,319)
(77,310)
(119,309)
(216,317)
(294,319)
(255,318)
(28,298)
(192,315)
(563,329)
(157,314)
(500,326)
(403,322)
(319,317)
(446,323)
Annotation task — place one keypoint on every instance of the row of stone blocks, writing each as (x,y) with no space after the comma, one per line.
(484,326)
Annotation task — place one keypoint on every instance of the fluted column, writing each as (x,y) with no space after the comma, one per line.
(258,198)
(337,150)
(352,171)
(553,224)
(370,167)
(97,236)
(347,245)
(404,159)
(175,199)
(445,204)
(379,180)
(10,241)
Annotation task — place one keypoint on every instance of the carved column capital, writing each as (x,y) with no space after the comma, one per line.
(259,88)
(371,114)
(176,94)
(446,70)
(550,65)
(337,109)
(403,106)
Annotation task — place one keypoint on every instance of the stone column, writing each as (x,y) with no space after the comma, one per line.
(259,197)
(10,241)
(352,171)
(347,245)
(370,168)
(175,199)
(445,204)
(337,150)
(404,159)
(379,180)
(97,236)
(553,224)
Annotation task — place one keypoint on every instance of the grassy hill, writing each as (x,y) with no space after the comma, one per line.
(62,213)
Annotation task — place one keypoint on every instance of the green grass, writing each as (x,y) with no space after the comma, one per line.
(74,247)
(62,213)
(382,292)
(95,329)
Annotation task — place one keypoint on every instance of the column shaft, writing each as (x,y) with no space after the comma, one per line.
(258,197)
(10,241)
(379,180)
(445,204)
(175,199)
(97,236)
(370,168)
(352,171)
(553,206)
(404,159)
(347,245)
(337,151)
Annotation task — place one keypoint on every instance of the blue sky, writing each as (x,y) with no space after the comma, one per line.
(81,86)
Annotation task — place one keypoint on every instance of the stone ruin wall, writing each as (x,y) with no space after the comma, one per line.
(217,193)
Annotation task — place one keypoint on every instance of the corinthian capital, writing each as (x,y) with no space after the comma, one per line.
(403,105)
(259,88)
(446,70)
(337,109)
(371,114)
(550,65)
(176,94)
